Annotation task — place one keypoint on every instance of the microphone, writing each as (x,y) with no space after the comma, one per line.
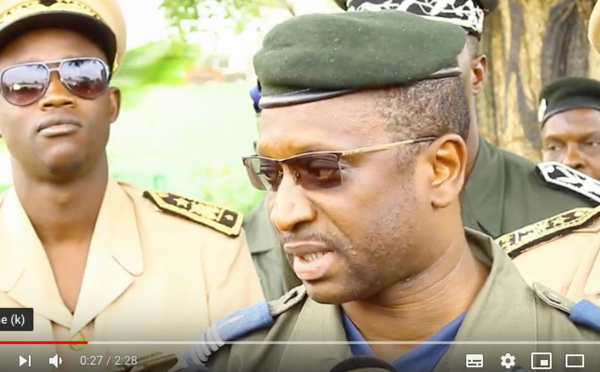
(201,368)
(362,362)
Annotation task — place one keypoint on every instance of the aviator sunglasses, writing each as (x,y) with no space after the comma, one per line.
(313,170)
(23,84)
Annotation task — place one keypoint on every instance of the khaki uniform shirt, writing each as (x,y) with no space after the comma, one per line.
(562,252)
(504,193)
(150,276)
(505,310)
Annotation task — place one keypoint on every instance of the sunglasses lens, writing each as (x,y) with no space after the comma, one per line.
(317,171)
(86,78)
(264,174)
(22,85)
(312,171)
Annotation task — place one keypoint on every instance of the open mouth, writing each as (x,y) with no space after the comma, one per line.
(313,266)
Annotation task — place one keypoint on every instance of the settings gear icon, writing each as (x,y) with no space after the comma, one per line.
(507,360)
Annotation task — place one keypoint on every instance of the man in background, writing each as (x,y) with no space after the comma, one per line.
(569,116)
(504,191)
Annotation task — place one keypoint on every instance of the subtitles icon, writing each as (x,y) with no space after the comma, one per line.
(474,361)
(24,361)
(574,360)
(541,360)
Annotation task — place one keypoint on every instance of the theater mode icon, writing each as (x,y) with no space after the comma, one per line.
(474,361)
(574,361)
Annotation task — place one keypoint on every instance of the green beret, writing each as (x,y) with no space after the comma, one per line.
(318,56)
(568,94)
(465,13)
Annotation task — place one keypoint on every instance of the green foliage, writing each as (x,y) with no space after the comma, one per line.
(184,14)
(220,185)
(164,62)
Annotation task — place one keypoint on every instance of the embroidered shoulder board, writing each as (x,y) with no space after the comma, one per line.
(521,240)
(583,313)
(223,220)
(565,177)
(242,322)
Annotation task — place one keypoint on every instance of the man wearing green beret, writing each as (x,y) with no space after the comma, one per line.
(362,147)
(504,191)
(569,115)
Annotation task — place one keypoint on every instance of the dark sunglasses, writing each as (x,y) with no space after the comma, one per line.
(23,84)
(313,170)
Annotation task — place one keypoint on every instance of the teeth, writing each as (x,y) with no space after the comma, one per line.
(312,256)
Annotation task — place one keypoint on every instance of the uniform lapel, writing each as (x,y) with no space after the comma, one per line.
(504,309)
(115,256)
(321,324)
(25,272)
(591,277)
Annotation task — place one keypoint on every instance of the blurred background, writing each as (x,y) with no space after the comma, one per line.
(187,116)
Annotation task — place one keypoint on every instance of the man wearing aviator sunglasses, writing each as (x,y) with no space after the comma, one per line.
(97,259)
(361,144)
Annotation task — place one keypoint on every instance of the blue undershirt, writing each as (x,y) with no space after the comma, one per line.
(422,358)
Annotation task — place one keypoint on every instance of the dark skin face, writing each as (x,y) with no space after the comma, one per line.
(59,159)
(368,228)
(573,138)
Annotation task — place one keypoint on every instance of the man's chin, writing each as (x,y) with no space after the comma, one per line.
(331,296)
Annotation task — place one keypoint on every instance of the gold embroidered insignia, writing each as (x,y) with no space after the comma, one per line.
(521,240)
(223,220)
(41,6)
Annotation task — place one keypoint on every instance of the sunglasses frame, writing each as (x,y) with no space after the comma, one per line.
(59,63)
(338,154)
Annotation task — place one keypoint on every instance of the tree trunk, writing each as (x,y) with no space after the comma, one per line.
(530,43)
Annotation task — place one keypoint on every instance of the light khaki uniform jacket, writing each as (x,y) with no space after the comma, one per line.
(160,268)
(561,252)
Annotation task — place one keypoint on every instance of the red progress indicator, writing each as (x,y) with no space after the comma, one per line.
(43,342)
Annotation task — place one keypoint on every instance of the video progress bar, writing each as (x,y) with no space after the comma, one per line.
(44,342)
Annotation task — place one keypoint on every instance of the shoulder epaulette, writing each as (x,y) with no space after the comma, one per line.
(582,313)
(521,240)
(234,326)
(218,218)
(565,177)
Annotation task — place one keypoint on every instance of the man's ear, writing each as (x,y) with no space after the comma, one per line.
(448,158)
(115,104)
(478,73)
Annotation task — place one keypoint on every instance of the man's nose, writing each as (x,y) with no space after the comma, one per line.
(57,95)
(290,205)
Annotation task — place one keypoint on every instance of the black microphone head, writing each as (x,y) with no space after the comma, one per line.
(362,362)
(518,369)
(196,368)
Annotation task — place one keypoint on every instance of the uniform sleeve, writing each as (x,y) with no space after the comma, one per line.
(232,283)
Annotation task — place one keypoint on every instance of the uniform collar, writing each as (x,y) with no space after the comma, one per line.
(114,258)
(260,233)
